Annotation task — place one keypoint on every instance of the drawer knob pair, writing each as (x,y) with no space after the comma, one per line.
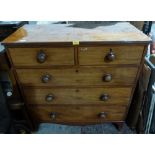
(41,57)
(102,115)
(111,55)
(49,98)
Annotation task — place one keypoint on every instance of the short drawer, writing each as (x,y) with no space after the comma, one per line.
(42,56)
(110,55)
(83,76)
(77,114)
(57,96)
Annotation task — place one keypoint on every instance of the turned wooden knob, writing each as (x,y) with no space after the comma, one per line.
(102,115)
(104,97)
(41,57)
(107,77)
(53,115)
(46,78)
(49,98)
(111,55)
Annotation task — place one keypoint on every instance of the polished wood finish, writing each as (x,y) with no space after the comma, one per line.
(78,77)
(99,55)
(82,114)
(117,96)
(54,56)
(121,32)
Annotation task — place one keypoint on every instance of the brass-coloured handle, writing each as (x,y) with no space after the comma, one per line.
(49,98)
(102,115)
(46,78)
(41,57)
(107,77)
(53,115)
(104,97)
(111,55)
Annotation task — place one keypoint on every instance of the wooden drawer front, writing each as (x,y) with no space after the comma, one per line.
(53,56)
(107,96)
(99,55)
(72,77)
(83,114)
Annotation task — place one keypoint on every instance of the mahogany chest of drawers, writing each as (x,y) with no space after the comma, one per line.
(77,75)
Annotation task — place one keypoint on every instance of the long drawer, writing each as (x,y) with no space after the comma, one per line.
(85,96)
(113,54)
(42,56)
(77,114)
(83,76)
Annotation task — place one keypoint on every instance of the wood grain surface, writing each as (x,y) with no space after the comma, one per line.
(79,96)
(97,55)
(75,114)
(76,62)
(67,33)
(54,56)
(82,76)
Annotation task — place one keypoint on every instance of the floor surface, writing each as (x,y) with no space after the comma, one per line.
(106,128)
